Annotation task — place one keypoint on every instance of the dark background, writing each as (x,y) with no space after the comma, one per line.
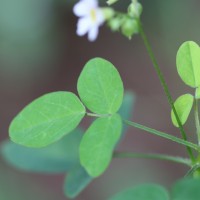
(40,53)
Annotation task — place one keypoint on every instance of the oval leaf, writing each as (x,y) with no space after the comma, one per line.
(143,192)
(55,158)
(76,181)
(186,189)
(183,107)
(98,143)
(47,119)
(100,87)
(188,63)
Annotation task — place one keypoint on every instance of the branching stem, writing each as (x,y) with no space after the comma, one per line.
(164,85)
(164,135)
(180,160)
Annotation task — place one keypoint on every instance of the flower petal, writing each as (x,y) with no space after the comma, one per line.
(100,17)
(92,3)
(93,33)
(83,26)
(83,7)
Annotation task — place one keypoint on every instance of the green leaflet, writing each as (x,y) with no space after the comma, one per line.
(188,63)
(55,158)
(76,181)
(186,189)
(143,192)
(100,87)
(98,142)
(183,107)
(47,119)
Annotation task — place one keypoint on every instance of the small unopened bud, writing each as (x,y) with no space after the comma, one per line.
(135,9)
(129,27)
(107,12)
(115,24)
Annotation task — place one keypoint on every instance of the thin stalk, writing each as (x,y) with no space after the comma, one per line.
(164,135)
(97,115)
(196,116)
(192,170)
(164,85)
(180,160)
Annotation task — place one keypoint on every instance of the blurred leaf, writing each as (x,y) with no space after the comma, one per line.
(56,158)
(183,106)
(143,192)
(126,108)
(188,63)
(186,189)
(76,181)
(47,119)
(98,142)
(100,87)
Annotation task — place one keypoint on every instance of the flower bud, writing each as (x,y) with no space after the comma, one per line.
(115,24)
(129,27)
(135,9)
(107,12)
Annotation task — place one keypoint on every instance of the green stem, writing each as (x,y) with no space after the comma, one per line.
(192,170)
(164,85)
(97,115)
(164,135)
(153,156)
(196,116)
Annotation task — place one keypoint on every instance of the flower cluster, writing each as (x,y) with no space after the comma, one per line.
(91,17)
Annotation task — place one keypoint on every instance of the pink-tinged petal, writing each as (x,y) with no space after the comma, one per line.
(83,7)
(93,33)
(83,26)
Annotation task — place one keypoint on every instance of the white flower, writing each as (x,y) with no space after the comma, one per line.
(91,17)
